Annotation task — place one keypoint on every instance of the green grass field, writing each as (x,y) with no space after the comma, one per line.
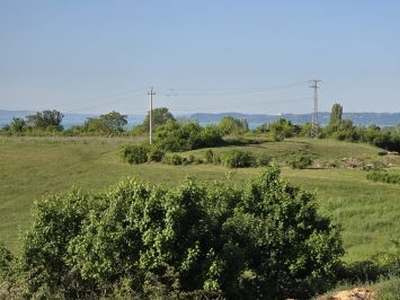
(367,211)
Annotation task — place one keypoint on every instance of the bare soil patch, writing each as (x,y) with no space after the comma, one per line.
(354,294)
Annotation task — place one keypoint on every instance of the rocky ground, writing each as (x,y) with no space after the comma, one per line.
(354,294)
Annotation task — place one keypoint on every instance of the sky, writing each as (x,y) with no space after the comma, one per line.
(249,56)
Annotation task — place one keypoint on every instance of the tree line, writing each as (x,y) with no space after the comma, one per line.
(163,123)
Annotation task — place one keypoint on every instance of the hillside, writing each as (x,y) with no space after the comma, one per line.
(368,211)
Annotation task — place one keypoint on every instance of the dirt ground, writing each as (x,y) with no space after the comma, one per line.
(354,294)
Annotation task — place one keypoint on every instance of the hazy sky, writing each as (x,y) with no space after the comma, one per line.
(199,55)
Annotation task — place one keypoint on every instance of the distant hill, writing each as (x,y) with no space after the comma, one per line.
(380,119)
(254,120)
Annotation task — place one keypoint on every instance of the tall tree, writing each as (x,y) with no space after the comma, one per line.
(336,114)
(159,117)
(113,122)
(47,119)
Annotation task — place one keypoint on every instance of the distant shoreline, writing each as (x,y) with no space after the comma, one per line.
(254,120)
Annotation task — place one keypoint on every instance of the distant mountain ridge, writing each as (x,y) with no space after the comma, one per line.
(380,119)
(254,120)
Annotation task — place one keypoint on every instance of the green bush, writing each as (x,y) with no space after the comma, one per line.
(173,159)
(6,260)
(177,137)
(238,159)
(155,154)
(265,241)
(135,154)
(300,161)
(263,160)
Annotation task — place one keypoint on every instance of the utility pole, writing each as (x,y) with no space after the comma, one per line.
(151,94)
(315,122)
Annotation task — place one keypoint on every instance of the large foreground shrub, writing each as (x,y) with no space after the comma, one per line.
(265,241)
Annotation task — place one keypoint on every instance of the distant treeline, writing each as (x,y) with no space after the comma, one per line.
(49,122)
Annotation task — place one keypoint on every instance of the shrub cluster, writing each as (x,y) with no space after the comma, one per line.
(300,161)
(178,137)
(138,154)
(135,154)
(265,241)
(238,159)
(384,177)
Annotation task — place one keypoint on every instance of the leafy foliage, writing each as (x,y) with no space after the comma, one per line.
(336,114)
(6,260)
(231,125)
(113,122)
(176,137)
(159,116)
(282,129)
(263,160)
(173,159)
(47,119)
(135,154)
(265,241)
(238,159)
(18,125)
(300,161)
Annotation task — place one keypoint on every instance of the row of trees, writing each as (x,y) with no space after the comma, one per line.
(163,120)
(50,121)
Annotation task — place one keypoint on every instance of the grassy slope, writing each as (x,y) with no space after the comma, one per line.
(30,167)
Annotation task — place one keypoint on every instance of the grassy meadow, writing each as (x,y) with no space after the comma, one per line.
(367,211)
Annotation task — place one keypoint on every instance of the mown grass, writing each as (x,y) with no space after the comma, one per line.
(367,211)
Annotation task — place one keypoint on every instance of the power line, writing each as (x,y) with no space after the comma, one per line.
(230,91)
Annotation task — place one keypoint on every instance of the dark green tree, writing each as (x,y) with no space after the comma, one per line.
(336,114)
(282,128)
(335,120)
(113,122)
(347,131)
(47,119)
(18,125)
(159,117)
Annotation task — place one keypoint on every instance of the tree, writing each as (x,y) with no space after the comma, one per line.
(282,129)
(335,120)
(347,131)
(336,114)
(159,116)
(47,119)
(230,125)
(18,125)
(112,122)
